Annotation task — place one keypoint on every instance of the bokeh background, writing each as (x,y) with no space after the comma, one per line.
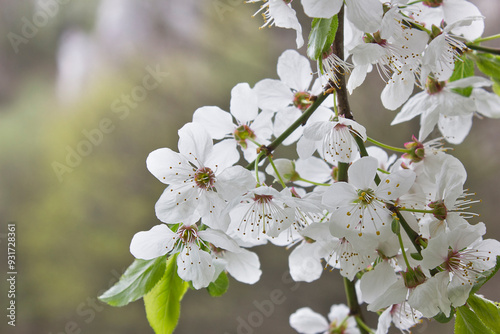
(71,76)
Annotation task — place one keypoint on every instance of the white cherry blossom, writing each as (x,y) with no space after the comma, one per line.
(194,262)
(200,178)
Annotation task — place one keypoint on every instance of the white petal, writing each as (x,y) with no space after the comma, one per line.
(375,282)
(147,245)
(414,107)
(431,297)
(398,89)
(305,265)
(395,184)
(339,194)
(195,265)
(457,10)
(243,266)
(362,172)
(455,128)
(168,166)
(305,148)
(224,155)
(219,239)
(285,17)
(273,94)
(321,8)
(234,181)
(244,106)
(194,142)
(294,70)
(317,130)
(357,77)
(306,321)
(487,104)
(216,121)
(177,203)
(395,294)
(366,15)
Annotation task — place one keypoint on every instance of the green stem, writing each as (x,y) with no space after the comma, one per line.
(315,183)
(277,173)
(352,303)
(414,2)
(485,39)
(414,236)
(388,147)
(254,141)
(483,48)
(416,210)
(300,121)
(335,109)
(402,246)
(256,166)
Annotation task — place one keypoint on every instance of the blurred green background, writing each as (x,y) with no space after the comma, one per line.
(75,77)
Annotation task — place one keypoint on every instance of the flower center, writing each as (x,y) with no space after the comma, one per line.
(242,133)
(204,178)
(416,151)
(365,196)
(433,3)
(440,210)
(375,38)
(263,199)
(433,86)
(301,100)
(187,234)
(413,277)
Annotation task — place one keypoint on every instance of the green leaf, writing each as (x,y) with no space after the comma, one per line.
(489,64)
(321,36)
(219,287)
(138,279)
(442,318)
(486,310)
(467,322)
(485,276)
(496,86)
(163,302)
(464,67)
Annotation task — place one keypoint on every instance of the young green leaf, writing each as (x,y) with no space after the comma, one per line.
(489,64)
(486,310)
(163,302)
(467,322)
(321,36)
(219,287)
(138,279)
(442,318)
(496,86)
(464,67)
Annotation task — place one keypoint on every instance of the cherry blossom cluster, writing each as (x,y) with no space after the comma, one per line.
(400,225)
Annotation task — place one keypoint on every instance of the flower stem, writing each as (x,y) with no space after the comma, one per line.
(277,173)
(338,49)
(485,39)
(402,246)
(414,236)
(388,147)
(416,210)
(483,48)
(352,303)
(256,166)
(300,121)
(314,183)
